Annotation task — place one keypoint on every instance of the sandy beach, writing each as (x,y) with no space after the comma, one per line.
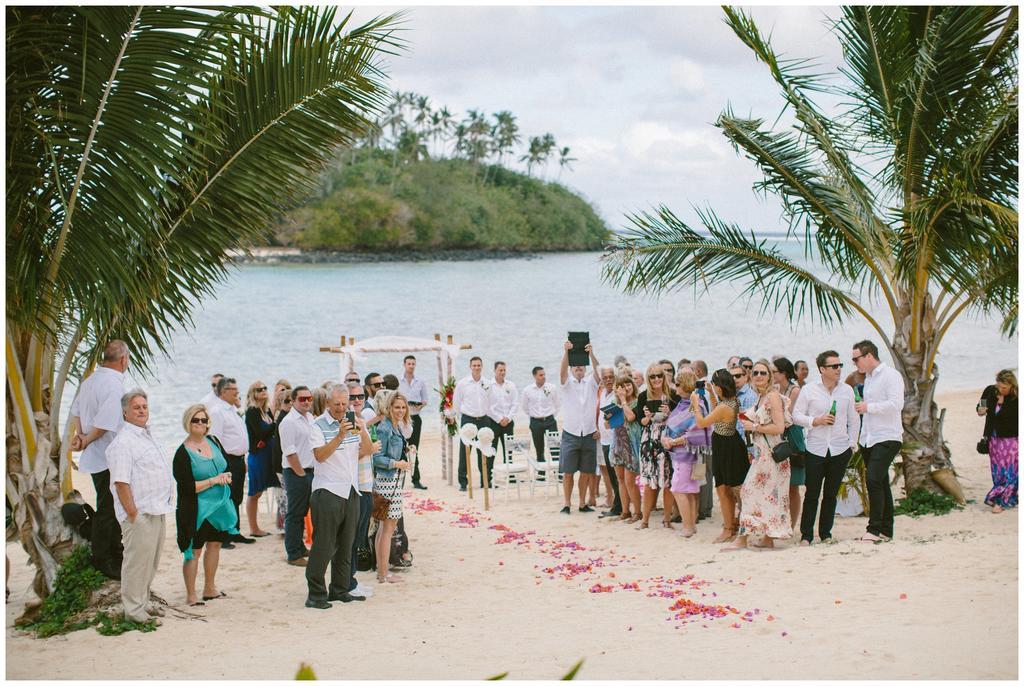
(527,590)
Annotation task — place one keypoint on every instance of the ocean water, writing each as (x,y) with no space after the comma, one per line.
(267,322)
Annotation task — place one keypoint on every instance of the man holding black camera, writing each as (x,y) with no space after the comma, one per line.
(578,452)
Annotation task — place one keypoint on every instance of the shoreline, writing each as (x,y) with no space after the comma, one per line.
(270,255)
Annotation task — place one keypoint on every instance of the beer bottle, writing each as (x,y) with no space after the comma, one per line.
(832,410)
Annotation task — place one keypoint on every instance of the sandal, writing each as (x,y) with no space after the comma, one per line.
(726,536)
(222,594)
(687,533)
(635,518)
(198,602)
(643,525)
(625,516)
(667,525)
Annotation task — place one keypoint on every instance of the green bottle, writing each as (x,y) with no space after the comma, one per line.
(373,432)
(856,394)
(832,411)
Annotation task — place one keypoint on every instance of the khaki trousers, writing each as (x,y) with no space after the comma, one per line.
(143,540)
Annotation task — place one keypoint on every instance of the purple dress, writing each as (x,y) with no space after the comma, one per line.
(1003,454)
(681,422)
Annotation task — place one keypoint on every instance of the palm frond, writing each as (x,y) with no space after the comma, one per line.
(661,253)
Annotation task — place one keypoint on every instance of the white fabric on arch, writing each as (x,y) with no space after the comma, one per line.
(398,344)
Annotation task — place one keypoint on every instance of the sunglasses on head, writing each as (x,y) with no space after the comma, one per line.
(200,420)
(759,373)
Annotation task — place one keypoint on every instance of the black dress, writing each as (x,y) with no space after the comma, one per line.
(729,463)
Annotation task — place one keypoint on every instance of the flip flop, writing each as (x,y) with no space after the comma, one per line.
(262,535)
(198,602)
(222,594)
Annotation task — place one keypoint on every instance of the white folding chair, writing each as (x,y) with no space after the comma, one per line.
(508,472)
(548,468)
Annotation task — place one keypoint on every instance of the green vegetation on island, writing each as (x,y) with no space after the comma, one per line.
(433,183)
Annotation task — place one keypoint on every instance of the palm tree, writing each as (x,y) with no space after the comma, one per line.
(564,160)
(445,121)
(411,146)
(143,144)
(547,146)
(534,154)
(931,230)
(505,133)
(423,112)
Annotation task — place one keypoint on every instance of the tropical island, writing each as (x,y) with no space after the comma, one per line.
(420,181)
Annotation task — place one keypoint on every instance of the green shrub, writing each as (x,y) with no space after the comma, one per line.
(76,580)
(921,501)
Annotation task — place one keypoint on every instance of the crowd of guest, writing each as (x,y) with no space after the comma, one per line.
(753,433)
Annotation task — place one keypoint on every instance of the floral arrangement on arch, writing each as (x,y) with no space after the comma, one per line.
(447,392)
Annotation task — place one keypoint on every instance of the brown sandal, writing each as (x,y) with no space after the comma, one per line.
(643,525)
(726,536)
(667,525)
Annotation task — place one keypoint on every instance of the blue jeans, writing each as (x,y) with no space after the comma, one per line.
(297,489)
(362,532)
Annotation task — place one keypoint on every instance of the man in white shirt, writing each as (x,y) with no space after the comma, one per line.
(97,414)
(210,397)
(503,400)
(415,392)
(540,403)
(144,491)
(825,410)
(578,452)
(337,447)
(297,471)
(471,402)
(881,435)
(229,428)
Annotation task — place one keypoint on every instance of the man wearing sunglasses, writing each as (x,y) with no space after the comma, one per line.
(881,435)
(830,435)
(297,472)
(229,428)
(372,383)
(415,392)
(210,397)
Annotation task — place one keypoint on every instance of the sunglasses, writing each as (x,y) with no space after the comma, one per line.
(838,365)
(738,376)
(747,366)
(759,373)
(357,396)
(376,384)
(656,376)
(854,359)
(304,399)
(260,389)
(199,420)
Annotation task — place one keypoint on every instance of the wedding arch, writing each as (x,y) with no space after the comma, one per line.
(446,352)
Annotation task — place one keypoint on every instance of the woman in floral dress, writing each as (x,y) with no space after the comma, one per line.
(765,492)
(1002,444)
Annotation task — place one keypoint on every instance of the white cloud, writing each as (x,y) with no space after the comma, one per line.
(686,74)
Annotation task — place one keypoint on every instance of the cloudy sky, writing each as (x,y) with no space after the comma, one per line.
(633,91)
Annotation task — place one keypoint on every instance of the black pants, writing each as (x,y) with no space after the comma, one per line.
(298,489)
(617,507)
(537,428)
(107,550)
(706,500)
(236,467)
(877,459)
(501,433)
(830,470)
(334,528)
(361,538)
(417,426)
(480,423)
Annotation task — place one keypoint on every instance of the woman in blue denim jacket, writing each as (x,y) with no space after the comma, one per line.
(388,466)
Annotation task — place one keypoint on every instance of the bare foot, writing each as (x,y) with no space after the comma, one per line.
(996,509)
(725,536)
(667,525)
(642,525)
(687,533)
(805,544)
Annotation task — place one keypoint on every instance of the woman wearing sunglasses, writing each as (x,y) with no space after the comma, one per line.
(259,423)
(765,492)
(655,404)
(205,514)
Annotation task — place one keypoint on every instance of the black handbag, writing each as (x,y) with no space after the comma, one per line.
(982,446)
(782,452)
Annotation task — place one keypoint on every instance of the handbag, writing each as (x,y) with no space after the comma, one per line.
(699,471)
(782,452)
(982,446)
(380,507)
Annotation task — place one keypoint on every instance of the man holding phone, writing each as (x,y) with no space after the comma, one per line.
(338,439)
(415,392)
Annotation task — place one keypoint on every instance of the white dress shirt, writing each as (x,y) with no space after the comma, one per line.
(229,428)
(815,400)
(471,397)
(339,473)
(415,391)
(136,459)
(294,432)
(504,398)
(579,411)
(603,398)
(540,401)
(884,394)
(209,399)
(98,406)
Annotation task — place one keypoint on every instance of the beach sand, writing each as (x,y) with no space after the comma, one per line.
(939,602)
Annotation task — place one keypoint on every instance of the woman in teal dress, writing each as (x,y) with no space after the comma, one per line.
(205,516)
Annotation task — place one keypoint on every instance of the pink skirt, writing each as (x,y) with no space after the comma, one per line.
(681,481)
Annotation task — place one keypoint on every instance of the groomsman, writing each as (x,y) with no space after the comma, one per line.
(471,400)
(578,452)
(540,403)
(504,397)
(415,392)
